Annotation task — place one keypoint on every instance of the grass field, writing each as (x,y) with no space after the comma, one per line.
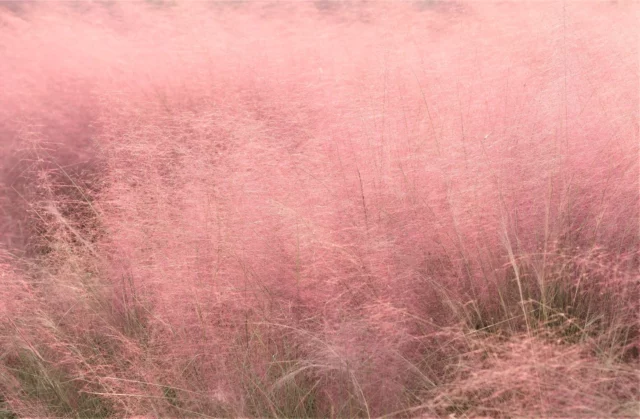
(319,209)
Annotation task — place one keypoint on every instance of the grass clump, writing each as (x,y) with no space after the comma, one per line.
(46,384)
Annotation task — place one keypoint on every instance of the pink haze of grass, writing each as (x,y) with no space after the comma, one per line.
(338,188)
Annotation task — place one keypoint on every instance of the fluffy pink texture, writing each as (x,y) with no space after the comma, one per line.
(272,164)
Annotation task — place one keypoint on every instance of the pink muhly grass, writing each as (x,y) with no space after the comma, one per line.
(327,209)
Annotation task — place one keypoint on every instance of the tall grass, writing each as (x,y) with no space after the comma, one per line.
(330,209)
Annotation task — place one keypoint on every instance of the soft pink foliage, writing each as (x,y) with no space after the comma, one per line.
(327,170)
